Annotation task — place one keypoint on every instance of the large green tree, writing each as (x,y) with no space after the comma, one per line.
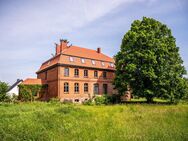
(149,62)
(3,90)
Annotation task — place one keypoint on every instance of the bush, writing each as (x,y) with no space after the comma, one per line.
(88,102)
(54,100)
(115,98)
(30,92)
(3,91)
(100,100)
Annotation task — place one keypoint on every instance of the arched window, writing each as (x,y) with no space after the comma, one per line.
(76,87)
(66,87)
(85,87)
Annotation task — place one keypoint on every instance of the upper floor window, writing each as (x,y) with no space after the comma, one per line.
(93,62)
(85,87)
(71,59)
(95,74)
(112,65)
(83,60)
(102,63)
(76,87)
(85,73)
(104,74)
(66,87)
(66,71)
(76,72)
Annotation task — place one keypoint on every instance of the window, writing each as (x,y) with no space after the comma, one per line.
(85,87)
(85,73)
(102,63)
(95,74)
(105,88)
(104,74)
(96,88)
(66,71)
(111,65)
(76,87)
(71,59)
(83,60)
(93,62)
(66,87)
(76,72)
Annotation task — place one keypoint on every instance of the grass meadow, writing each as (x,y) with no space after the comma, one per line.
(42,121)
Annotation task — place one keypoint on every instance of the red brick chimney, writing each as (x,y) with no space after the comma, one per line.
(57,47)
(63,45)
(98,50)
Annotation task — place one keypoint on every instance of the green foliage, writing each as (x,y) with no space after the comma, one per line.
(149,62)
(88,102)
(3,90)
(29,92)
(100,100)
(43,121)
(113,99)
(54,100)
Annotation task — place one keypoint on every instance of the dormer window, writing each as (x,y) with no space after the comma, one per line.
(102,63)
(93,62)
(83,60)
(71,59)
(112,65)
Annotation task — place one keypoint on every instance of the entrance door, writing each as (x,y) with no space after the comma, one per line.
(105,88)
(96,88)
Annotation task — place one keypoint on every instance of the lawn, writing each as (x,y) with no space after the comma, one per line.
(59,122)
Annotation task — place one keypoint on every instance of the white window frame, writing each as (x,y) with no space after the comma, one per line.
(102,63)
(71,59)
(83,60)
(93,62)
(112,65)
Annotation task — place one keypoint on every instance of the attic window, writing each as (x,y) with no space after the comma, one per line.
(93,62)
(111,65)
(83,60)
(102,63)
(71,59)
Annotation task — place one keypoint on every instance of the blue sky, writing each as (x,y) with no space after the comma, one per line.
(29,28)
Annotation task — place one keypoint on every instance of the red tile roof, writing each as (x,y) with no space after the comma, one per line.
(77,53)
(33,81)
(86,53)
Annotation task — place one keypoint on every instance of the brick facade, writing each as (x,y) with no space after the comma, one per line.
(65,73)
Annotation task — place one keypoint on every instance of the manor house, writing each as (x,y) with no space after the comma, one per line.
(76,74)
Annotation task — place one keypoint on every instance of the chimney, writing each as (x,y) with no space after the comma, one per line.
(98,50)
(57,48)
(63,44)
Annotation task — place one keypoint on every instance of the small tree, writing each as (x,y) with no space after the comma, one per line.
(3,90)
(29,92)
(149,62)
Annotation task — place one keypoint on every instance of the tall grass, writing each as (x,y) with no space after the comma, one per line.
(54,121)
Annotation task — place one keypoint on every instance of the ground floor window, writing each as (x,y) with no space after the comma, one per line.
(85,87)
(76,87)
(66,87)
